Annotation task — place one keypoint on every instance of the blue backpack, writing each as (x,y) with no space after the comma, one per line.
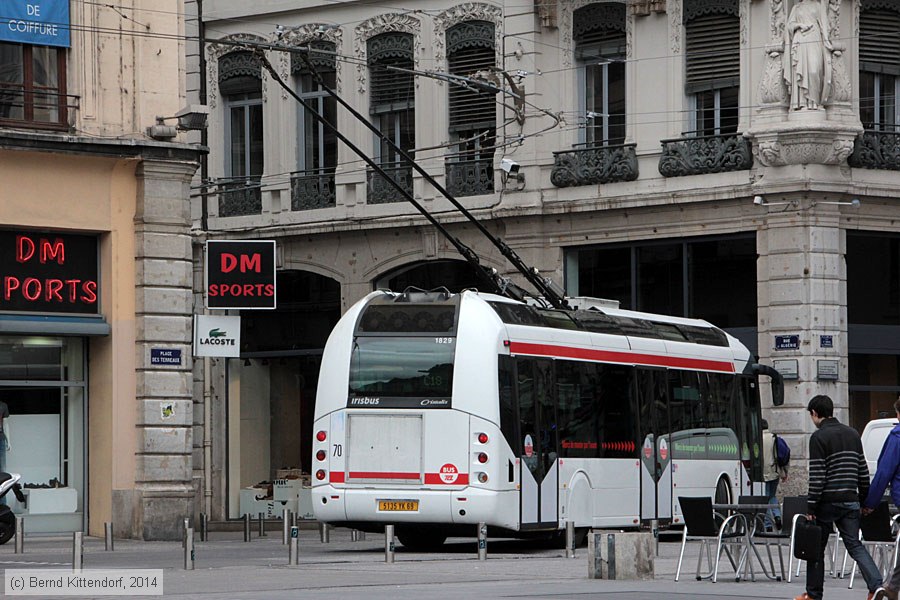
(782,452)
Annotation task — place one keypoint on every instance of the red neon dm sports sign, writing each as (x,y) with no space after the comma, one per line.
(48,272)
(240,274)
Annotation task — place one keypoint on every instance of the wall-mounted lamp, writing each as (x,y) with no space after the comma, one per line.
(854,203)
(760,201)
(190,118)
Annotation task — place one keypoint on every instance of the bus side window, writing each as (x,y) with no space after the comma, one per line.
(508,418)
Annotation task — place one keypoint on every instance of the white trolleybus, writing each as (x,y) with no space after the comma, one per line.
(437,411)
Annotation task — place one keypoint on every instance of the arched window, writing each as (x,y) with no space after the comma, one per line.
(240,83)
(313,185)
(712,64)
(598,31)
(879,64)
(472,113)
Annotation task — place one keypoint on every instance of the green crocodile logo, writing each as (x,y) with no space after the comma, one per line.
(215,333)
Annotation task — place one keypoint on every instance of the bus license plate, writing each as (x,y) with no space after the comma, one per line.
(398,505)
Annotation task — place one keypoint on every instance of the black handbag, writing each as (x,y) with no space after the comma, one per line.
(807,540)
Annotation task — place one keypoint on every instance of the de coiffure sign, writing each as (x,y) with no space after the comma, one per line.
(36,22)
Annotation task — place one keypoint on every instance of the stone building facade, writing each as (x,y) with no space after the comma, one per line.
(661,163)
(97,268)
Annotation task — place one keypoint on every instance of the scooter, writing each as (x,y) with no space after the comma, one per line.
(9,481)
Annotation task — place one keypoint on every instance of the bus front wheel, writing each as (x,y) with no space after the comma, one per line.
(723,491)
(421,540)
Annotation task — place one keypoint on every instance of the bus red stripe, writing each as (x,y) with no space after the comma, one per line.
(336,477)
(435,479)
(620,357)
(383,475)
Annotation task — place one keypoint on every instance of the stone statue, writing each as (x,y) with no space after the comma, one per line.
(807,55)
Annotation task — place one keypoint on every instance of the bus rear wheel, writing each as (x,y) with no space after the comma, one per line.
(723,491)
(421,540)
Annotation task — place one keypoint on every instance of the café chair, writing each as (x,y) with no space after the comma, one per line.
(792,506)
(877,533)
(703,524)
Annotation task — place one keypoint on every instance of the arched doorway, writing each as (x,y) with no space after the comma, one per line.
(455,275)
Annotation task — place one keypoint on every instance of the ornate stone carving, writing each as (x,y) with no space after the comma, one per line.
(213,53)
(321,34)
(744,9)
(698,8)
(876,150)
(705,154)
(469,11)
(386,23)
(675,25)
(771,86)
(813,140)
(567,8)
(841,88)
(592,166)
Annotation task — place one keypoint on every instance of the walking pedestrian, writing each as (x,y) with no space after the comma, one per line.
(887,473)
(838,479)
(775,469)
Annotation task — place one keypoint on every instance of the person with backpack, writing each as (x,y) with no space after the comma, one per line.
(887,474)
(776,458)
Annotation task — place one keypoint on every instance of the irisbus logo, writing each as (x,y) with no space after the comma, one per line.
(431,402)
(365,401)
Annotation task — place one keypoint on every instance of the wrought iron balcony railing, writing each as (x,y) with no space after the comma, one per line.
(590,164)
(240,196)
(702,154)
(311,190)
(877,149)
(382,192)
(470,177)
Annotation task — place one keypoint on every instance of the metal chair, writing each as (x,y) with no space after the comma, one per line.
(877,533)
(702,524)
(792,507)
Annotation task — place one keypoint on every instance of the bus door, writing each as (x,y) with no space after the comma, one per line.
(538,471)
(656,463)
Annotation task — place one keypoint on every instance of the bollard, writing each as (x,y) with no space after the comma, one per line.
(77,551)
(570,539)
(482,541)
(285,525)
(353,536)
(108,536)
(388,543)
(293,519)
(654,529)
(324,533)
(246,527)
(20,535)
(189,549)
(204,527)
(262,525)
(187,524)
(293,558)
(360,536)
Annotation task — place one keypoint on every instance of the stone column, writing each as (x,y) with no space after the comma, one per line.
(163,493)
(802,286)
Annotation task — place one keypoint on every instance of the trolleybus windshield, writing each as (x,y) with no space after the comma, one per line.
(398,367)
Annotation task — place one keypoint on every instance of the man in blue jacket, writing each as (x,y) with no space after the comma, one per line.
(887,473)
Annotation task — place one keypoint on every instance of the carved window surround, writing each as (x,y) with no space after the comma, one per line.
(214,52)
(386,23)
(312,34)
(566,10)
(469,11)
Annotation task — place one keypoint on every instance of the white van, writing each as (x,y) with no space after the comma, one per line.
(873,438)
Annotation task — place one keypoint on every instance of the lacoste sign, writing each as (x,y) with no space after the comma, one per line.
(217,336)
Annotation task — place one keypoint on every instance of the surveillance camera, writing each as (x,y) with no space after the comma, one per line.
(509,166)
(758,200)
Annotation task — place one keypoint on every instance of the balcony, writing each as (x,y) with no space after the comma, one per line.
(876,149)
(240,196)
(382,192)
(589,164)
(702,154)
(46,109)
(470,177)
(311,190)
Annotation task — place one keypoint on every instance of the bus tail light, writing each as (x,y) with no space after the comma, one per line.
(321,436)
(320,474)
(320,455)
(482,457)
(482,438)
(482,477)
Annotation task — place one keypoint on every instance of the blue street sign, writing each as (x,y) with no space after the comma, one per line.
(37,22)
(787,342)
(826,341)
(165,356)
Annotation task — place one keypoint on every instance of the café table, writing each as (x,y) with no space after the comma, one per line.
(754,513)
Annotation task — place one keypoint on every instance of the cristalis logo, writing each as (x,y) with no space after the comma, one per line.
(433,402)
(365,401)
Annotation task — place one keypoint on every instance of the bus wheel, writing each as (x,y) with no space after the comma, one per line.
(723,491)
(421,540)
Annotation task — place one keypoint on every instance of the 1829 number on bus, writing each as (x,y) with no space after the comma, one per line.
(443,340)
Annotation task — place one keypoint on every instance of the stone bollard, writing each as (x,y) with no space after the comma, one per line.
(620,555)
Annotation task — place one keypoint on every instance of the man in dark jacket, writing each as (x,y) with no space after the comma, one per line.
(838,479)
(887,473)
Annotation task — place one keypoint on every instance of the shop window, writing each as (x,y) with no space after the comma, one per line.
(712,65)
(879,64)
(33,86)
(598,31)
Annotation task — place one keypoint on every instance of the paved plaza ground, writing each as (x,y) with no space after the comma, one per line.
(228,567)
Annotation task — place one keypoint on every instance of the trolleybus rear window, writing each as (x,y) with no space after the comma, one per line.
(419,368)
